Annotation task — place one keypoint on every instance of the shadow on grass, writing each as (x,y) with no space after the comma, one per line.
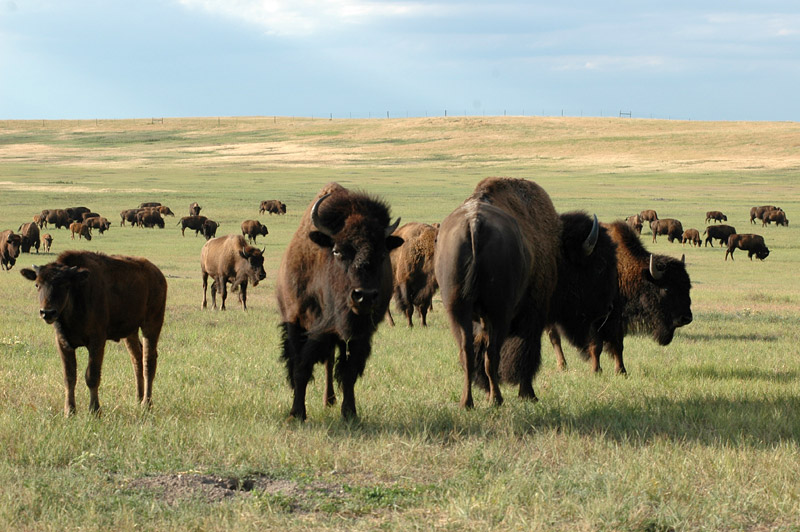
(744,337)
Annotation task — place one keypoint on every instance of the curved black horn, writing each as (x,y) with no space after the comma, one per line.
(391,229)
(591,240)
(683,258)
(655,272)
(315,217)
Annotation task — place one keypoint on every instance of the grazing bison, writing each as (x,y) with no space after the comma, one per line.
(412,264)
(149,218)
(333,288)
(194,209)
(667,226)
(101,224)
(635,221)
(47,241)
(758,212)
(252,229)
(58,218)
(90,298)
(228,259)
(30,237)
(272,207)
(496,262)
(692,236)
(720,232)
(129,215)
(86,215)
(10,245)
(717,216)
(209,229)
(753,244)
(76,213)
(779,217)
(165,211)
(648,215)
(82,230)
(652,297)
(192,222)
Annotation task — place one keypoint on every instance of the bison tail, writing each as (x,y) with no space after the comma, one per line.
(471,266)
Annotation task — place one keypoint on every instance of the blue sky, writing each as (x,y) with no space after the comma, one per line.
(698,60)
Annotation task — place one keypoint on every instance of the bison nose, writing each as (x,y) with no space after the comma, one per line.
(47,315)
(363,297)
(686,320)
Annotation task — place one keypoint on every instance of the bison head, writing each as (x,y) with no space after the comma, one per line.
(356,230)
(762,253)
(55,282)
(665,300)
(255,260)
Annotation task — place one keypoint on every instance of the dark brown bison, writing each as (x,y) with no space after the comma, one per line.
(779,217)
(228,259)
(652,297)
(496,262)
(30,237)
(59,218)
(717,216)
(194,209)
(758,212)
(648,215)
(692,236)
(719,232)
(47,241)
(100,223)
(165,211)
(252,229)
(76,213)
(412,265)
(10,244)
(149,204)
(129,215)
(82,230)
(40,220)
(192,222)
(91,298)
(149,218)
(753,244)
(333,288)
(635,221)
(86,215)
(209,229)
(272,207)
(667,226)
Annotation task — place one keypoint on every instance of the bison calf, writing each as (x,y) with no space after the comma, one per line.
(229,259)
(753,244)
(82,230)
(252,229)
(10,245)
(717,216)
(692,236)
(90,298)
(47,241)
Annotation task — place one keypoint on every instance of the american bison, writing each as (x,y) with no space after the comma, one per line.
(412,265)
(86,215)
(333,288)
(652,297)
(149,204)
(753,244)
(252,229)
(209,229)
(719,232)
(76,213)
(667,226)
(59,218)
(30,237)
(496,262)
(82,230)
(194,209)
(692,236)
(47,241)
(717,216)
(90,298)
(100,223)
(192,222)
(165,211)
(272,207)
(149,218)
(40,220)
(758,212)
(129,215)
(10,244)
(228,259)
(779,217)
(635,221)
(648,215)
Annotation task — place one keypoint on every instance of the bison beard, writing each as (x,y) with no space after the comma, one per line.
(333,288)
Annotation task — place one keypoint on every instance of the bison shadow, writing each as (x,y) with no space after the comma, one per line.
(748,337)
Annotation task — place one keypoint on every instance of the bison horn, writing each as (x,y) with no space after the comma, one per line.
(391,229)
(683,258)
(316,220)
(591,240)
(655,272)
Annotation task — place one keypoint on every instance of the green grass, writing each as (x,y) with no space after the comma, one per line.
(703,435)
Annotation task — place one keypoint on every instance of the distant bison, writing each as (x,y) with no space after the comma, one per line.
(86,215)
(47,241)
(718,232)
(228,259)
(758,212)
(272,207)
(192,222)
(779,217)
(76,213)
(412,264)
(30,237)
(252,229)
(149,218)
(209,229)
(717,216)
(10,244)
(667,226)
(648,215)
(149,204)
(692,236)
(40,220)
(90,298)
(101,224)
(129,215)
(58,218)
(82,230)
(635,221)
(753,244)
(194,209)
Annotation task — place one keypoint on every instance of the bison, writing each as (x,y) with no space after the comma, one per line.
(86,215)
(47,241)
(10,244)
(720,232)
(779,217)
(59,218)
(40,220)
(692,236)
(209,229)
(228,259)
(194,209)
(76,213)
(149,218)
(30,237)
(90,298)
(272,207)
(129,215)
(412,264)
(667,226)
(717,216)
(648,215)
(753,244)
(82,230)
(164,210)
(333,289)
(652,297)
(758,212)
(252,229)
(192,222)
(149,204)
(100,223)
(496,261)
(635,221)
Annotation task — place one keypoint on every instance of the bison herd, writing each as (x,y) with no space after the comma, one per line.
(508,266)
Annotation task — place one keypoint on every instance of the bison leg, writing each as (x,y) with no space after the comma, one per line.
(389,317)
(423,313)
(96,354)
(615,352)
(555,341)
(70,366)
(150,363)
(348,369)
(593,352)
(313,350)
(205,288)
(461,326)
(243,294)
(222,286)
(329,395)
(491,360)
(134,347)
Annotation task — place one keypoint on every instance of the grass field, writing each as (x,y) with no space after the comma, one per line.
(703,435)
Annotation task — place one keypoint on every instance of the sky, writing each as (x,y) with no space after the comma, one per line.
(676,59)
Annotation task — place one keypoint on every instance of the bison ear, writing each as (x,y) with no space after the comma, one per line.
(393,242)
(321,239)
(28,274)
(78,275)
